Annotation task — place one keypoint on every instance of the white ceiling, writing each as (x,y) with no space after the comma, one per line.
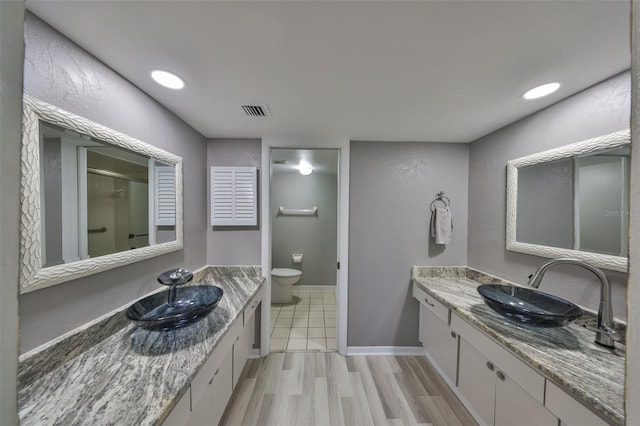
(446,71)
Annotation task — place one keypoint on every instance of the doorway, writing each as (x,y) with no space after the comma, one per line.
(304,213)
(304,238)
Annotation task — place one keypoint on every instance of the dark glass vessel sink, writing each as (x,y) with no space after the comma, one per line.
(529,306)
(159,312)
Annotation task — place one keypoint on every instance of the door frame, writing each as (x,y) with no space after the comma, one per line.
(342,146)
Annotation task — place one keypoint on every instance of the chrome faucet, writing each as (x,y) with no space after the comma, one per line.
(604,329)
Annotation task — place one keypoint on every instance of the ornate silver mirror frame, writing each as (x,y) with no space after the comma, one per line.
(32,275)
(612,140)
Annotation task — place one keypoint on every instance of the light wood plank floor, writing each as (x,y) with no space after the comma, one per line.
(326,389)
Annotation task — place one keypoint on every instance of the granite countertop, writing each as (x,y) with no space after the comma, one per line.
(567,356)
(111,372)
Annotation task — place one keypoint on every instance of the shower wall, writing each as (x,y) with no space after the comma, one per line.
(314,237)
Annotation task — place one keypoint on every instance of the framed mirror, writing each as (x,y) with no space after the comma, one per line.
(92,198)
(572,201)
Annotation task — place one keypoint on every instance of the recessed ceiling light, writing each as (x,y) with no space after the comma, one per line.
(167,79)
(305,168)
(540,91)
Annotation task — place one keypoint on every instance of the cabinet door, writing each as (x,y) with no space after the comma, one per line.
(210,407)
(477,381)
(440,342)
(514,406)
(242,348)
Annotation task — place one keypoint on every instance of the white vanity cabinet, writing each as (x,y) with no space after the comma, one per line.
(440,341)
(501,389)
(210,390)
(496,386)
(495,396)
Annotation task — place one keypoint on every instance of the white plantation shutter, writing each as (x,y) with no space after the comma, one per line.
(165,179)
(234,196)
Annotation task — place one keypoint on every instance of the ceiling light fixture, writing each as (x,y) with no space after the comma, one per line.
(167,79)
(540,91)
(305,168)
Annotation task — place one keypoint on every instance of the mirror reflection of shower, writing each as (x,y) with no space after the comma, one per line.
(117,203)
(304,228)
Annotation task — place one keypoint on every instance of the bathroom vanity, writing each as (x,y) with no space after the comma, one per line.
(113,372)
(532,375)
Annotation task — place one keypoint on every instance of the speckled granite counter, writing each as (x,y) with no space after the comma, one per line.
(567,356)
(111,372)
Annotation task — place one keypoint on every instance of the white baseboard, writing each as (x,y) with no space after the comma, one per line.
(385,350)
(255,353)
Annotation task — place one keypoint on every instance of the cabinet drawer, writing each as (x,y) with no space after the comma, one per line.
(431,303)
(570,411)
(249,310)
(521,373)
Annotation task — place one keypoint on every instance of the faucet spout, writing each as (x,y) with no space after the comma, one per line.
(604,333)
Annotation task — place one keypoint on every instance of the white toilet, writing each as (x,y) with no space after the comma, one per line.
(282,281)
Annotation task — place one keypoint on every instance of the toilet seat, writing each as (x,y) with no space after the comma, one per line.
(285,272)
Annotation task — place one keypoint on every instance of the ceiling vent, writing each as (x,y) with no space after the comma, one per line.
(256,110)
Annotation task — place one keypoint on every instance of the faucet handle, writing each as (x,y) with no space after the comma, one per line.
(608,331)
(175,277)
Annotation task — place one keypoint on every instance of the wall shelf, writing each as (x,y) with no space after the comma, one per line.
(298,212)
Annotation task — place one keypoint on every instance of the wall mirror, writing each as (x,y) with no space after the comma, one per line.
(92,198)
(572,201)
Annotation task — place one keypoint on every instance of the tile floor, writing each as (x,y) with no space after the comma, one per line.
(308,323)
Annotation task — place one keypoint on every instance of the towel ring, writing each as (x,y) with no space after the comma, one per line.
(442,198)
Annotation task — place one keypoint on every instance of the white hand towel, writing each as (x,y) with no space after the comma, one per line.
(441,225)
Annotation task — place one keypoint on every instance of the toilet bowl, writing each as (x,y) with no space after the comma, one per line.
(282,281)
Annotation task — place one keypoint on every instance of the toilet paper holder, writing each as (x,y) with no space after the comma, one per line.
(296,257)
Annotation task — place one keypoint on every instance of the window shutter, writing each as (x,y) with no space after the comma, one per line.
(165,179)
(234,196)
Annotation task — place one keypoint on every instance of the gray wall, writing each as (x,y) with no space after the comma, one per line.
(232,245)
(391,187)
(601,109)
(315,237)
(61,73)
(11,54)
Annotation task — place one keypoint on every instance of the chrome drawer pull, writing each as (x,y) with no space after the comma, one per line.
(428,303)
(490,365)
